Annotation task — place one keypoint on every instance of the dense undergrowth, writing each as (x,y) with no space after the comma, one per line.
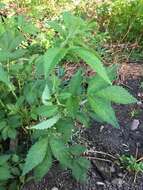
(39,108)
(117,25)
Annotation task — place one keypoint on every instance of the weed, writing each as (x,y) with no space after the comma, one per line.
(131,163)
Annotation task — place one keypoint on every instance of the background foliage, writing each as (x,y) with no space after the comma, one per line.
(39,108)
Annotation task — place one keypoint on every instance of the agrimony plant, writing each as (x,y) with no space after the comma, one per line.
(38,105)
(65,104)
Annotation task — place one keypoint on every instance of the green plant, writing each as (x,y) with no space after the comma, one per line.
(123,18)
(39,107)
(131,163)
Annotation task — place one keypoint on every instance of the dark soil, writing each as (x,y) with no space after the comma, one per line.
(105,144)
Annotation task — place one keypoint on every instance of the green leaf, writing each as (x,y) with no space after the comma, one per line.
(30,92)
(72,106)
(16,42)
(83,118)
(2,187)
(97,83)
(36,155)
(30,28)
(4,77)
(77,149)
(4,133)
(69,20)
(93,61)
(47,111)
(5,40)
(18,53)
(3,124)
(41,170)
(47,124)
(65,127)
(75,83)
(2,5)
(51,58)
(4,173)
(79,168)
(11,133)
(60,151)
(46,95)
(15,158)
(116,94)
(9,42)
(64,95)
(75,25)
(112,72)
(4,159)
(10,56)
(103,110)
(56,26)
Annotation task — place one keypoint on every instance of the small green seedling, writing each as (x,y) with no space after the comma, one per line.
(131,163)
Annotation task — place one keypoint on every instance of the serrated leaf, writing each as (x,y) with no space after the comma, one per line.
(65,127)
(41,170)
(47,124)
(93,61)
(75,83)
(97,83)
(103,110)
(116,94)
(79,168)
(52,57)
(60,151)
(36,155)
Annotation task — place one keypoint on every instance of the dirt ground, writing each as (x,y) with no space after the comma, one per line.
(105,144)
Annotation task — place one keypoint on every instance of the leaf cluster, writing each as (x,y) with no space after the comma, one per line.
(39,107)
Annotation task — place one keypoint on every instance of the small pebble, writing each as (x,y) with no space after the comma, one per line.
(100,183)
(139,103)
(112,169)
(118,181)
(54,188)
(135,124)
(120,175)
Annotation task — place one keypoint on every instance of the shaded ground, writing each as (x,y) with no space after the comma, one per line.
(105,144)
